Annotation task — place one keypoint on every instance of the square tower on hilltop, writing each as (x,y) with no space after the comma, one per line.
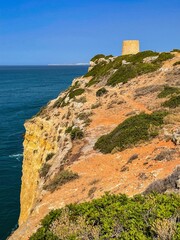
(130,47)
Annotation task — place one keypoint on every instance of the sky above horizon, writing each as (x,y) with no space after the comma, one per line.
(65,32)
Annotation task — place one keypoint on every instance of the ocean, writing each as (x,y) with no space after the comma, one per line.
(23,91)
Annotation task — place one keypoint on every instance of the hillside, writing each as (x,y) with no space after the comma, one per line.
(116,130)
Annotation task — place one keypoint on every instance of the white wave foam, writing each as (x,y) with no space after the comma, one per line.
(16,156)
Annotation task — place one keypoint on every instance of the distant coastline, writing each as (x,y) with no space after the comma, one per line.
(70,64)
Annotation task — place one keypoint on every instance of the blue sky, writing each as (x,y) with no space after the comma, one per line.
(62,31)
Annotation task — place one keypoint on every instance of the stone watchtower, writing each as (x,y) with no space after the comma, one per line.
(130,47)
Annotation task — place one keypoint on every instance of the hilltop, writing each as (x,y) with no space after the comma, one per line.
(115,129)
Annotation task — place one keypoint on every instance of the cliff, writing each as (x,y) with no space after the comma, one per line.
(63,136)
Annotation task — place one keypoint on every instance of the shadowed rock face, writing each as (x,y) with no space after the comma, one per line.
(49,139)
(130,47)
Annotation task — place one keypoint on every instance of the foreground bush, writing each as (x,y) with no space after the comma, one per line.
(137,128)
(154,216)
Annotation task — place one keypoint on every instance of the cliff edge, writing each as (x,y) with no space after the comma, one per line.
(85,143)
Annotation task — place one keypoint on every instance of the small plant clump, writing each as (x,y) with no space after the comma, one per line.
(76,92)
(176,63)
(76,133)
(49,156)
(168,91)
(61,178)
(175,50)
(173,102)
(134,129)
(101,92)
(98,56)
(44,170)
(146,217)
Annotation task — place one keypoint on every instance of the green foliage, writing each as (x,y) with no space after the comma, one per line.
(76,133)
(168,91)
(76,92)
(98,56)
(119,217)
(138,58)
(127,72)
(49,156)
(61,178)
(69,129)
(116,72)
(44,170)
(175,50)
(101,92)
(176,63)
(134,129)
(163,57)
(173,102)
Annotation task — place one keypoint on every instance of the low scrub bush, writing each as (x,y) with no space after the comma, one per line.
(61,178)
(76,92)
(162,185)
(134,129)
(175,50)
(176,63)
(163,57)
(44,170)
(150,217)
(76,133)
(98,56)
(168,91)
(49,156)
(101,92)
(173,102)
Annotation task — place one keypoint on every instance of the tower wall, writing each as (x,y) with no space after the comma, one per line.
(130,47)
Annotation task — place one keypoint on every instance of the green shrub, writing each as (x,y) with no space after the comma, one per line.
(138,58)
(76,133)
(127,72)
(163,57)
(95,105)
(137,128)
(101,92)
(173,102)
(168,91)
(61,178)
(44,170)
(176,63)
(69,129)
(116,217)
(115,72)
(98,56)
(76,92)
(57,103)
(49,156)
(175,50)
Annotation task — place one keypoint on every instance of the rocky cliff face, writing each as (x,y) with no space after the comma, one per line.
(62,137)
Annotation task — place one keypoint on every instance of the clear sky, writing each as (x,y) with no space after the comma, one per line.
(72,31)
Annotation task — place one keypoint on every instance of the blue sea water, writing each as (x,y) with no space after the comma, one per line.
(23,91)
